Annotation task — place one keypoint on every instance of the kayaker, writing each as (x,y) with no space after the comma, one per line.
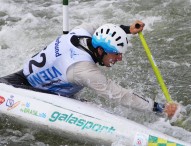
(68,64)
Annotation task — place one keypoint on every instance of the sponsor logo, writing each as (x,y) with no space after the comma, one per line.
(72,53)
(11,104)
(57,47)
(44,76)
(153,140)
(140,140)
(2,99)
(83,124)
(14,105)
(26,108)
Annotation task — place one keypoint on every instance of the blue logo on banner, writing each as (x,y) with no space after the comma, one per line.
(10,102)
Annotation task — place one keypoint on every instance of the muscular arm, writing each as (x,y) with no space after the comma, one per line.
(89,75)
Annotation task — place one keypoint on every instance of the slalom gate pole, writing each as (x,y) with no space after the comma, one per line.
(65,17)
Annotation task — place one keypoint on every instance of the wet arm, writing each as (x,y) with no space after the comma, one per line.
(88,74)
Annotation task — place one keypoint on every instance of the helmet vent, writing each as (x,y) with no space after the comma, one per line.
(107,31)
(118,38)
(121,44)
(111,38)
(113,34)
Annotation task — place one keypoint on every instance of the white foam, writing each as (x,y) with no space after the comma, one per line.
(28,35)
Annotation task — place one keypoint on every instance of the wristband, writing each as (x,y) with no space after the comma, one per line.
(158,107)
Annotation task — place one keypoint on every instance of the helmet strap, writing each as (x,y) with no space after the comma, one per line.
(99,58)
(75,40)
(90,50)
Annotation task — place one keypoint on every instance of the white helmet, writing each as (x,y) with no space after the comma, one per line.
(111,38)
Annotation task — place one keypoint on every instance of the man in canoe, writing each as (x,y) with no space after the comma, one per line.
(68,64)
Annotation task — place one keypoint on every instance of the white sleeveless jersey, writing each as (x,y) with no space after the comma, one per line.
(47,70)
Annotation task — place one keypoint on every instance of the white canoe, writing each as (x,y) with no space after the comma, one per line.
(78,119)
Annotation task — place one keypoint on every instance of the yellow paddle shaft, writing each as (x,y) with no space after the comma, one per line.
(155,68)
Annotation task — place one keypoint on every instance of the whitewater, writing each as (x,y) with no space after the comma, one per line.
(26,27)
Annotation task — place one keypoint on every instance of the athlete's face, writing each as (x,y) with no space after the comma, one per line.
(110,59)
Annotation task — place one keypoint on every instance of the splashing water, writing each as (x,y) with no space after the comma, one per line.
(26,27)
